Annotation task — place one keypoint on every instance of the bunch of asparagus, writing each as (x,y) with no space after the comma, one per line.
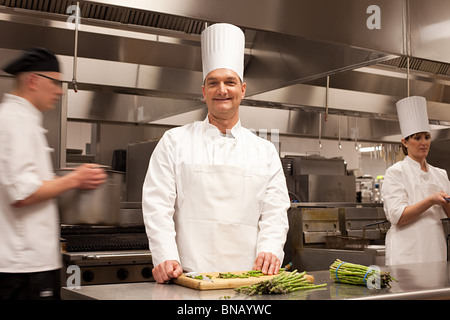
(345,272)
(283,283)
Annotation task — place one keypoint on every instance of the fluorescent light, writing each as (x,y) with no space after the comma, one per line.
(370,149)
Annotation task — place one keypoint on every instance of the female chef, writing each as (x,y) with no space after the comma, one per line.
(414,193)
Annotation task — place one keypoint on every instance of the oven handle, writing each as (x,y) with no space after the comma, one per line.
(115,255)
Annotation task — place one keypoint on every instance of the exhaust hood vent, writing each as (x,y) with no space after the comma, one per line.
(428,66)
(110,13)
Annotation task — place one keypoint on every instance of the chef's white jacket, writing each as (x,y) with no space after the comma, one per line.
(29,236)
(166,184)
(422,240)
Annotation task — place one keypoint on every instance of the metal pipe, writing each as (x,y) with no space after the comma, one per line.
(75,55)
(320,131)
(339,133)
(407,76)
(326,97)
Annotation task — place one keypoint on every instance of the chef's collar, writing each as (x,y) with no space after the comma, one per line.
(233,133)
(415,164)
(24,104)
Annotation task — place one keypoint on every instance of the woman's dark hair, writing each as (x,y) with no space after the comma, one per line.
(404,149)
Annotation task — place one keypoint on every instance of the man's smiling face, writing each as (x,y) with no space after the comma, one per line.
(223,92)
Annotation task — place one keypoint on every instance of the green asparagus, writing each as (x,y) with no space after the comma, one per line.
(284,282)
(248,274)
(356,274)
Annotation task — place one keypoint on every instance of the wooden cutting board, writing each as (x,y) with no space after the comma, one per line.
(219,283)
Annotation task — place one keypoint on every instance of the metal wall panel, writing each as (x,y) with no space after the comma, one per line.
(430,29)
(342,21)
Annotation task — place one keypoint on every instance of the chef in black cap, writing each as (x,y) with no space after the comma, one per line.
(34,59)
(30,256)
(37,67)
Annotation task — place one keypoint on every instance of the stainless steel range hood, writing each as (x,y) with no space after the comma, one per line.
(140,61)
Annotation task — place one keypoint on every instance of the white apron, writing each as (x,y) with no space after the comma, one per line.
(217,223)
(422,240)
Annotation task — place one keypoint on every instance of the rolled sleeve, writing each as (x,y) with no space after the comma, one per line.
(22,187)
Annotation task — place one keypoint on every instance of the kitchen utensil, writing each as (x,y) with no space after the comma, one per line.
(197,276)
(373,224)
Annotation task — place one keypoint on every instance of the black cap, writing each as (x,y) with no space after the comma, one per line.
(34,59)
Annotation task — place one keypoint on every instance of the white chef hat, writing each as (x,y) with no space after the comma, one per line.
(412,115)
(223,47)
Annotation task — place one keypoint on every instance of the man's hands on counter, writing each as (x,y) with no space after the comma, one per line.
(267,262)
(167,270)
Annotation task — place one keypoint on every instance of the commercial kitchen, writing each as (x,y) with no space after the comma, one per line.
(322,80)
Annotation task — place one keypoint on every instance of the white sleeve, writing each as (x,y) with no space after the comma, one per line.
(393,192)
(158,200)
(18,167)
(273,222)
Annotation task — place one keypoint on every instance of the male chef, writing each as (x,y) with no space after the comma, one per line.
(30,255)
(215,196)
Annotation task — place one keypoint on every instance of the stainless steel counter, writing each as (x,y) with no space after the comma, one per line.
(417,281)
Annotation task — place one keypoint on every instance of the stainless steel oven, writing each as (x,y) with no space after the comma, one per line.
(105,255)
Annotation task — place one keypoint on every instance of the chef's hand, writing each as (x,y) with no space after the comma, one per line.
(267,262)
(167,270)
(89,176)
(438,198)
(86,176)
